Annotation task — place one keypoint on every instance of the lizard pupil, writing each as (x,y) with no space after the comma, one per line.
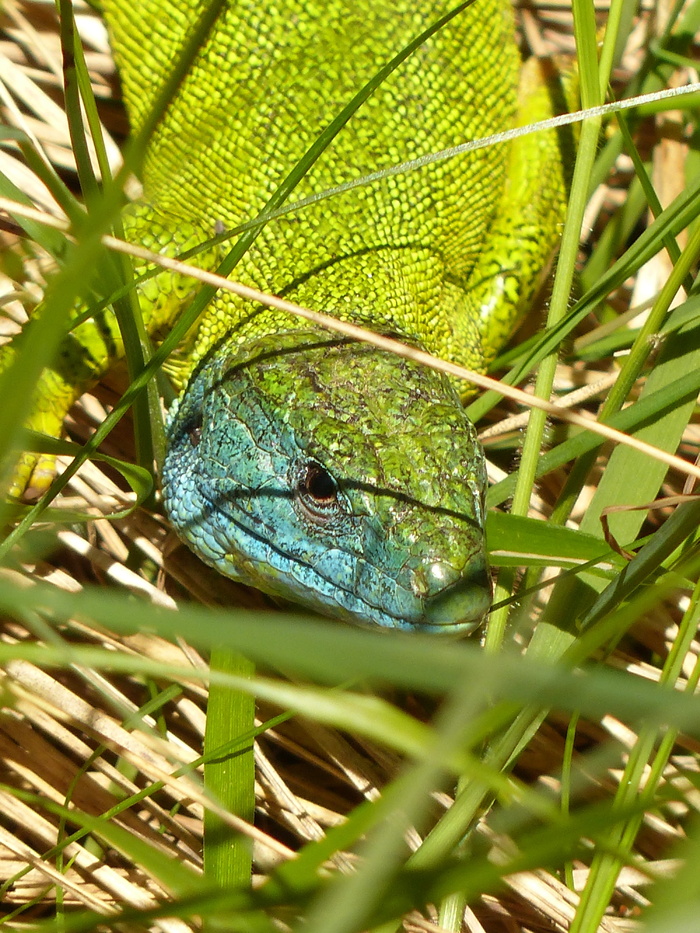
(318,485)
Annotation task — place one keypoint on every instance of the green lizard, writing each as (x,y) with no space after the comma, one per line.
(318,469)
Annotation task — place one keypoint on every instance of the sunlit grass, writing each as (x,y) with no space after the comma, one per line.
(575,759)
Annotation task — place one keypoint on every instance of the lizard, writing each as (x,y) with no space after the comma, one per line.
(322,470)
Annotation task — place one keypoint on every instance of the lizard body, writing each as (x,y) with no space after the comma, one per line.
(327,472)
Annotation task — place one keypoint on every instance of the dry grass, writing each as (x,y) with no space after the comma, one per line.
(76,736)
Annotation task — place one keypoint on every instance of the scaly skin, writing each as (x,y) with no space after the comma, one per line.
(392,540)
(318,470)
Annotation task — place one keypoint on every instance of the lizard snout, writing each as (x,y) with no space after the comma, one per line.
(456,602)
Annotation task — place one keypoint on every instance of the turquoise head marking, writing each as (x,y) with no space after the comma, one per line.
(335,475)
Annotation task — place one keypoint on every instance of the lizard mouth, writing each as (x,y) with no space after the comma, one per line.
(460,607)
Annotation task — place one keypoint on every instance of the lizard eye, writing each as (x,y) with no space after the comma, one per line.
(316,491)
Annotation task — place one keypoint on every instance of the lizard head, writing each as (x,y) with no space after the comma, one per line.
(287,472)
